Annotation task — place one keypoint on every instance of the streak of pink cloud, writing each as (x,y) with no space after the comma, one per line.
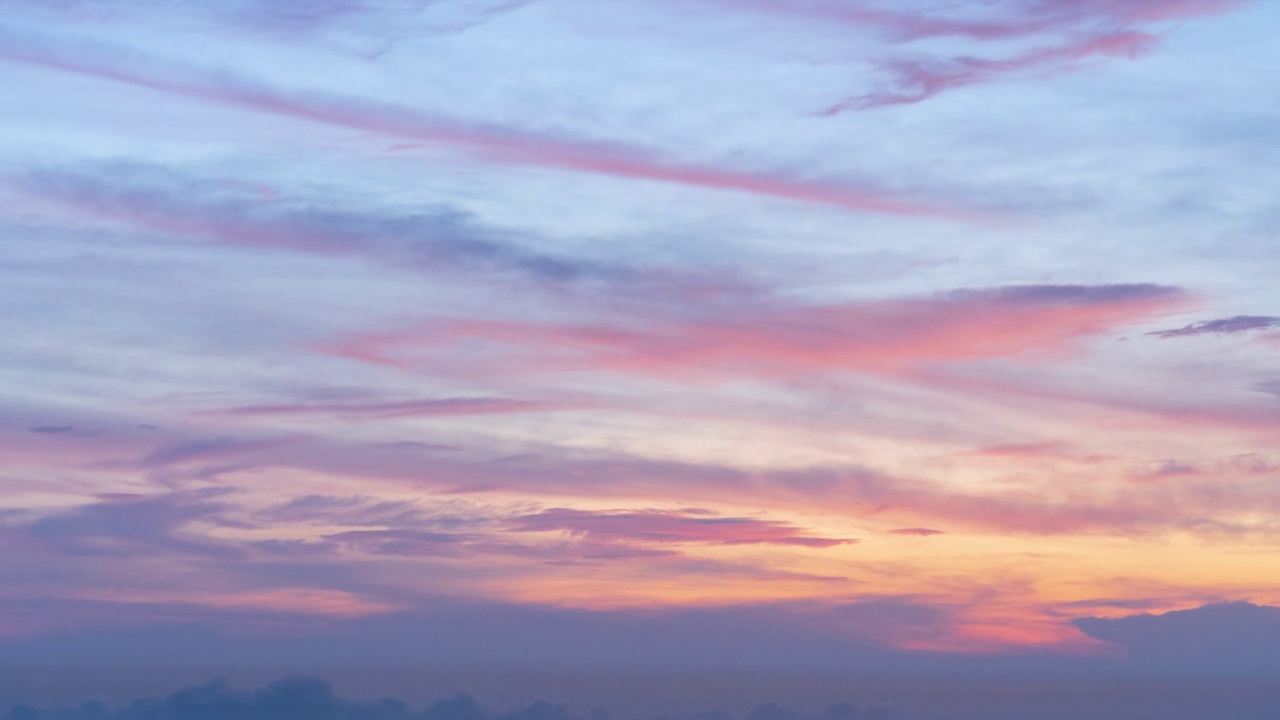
(1067,31)
(1020,19)
(492,143)
(883,337)
(917,81)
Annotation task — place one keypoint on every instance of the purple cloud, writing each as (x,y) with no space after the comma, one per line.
(670,527)
(1222,326)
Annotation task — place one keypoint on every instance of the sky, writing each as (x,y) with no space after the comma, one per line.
(639,359)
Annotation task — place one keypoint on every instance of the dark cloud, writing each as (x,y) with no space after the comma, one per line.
(164,200)
(129,526)
(430,238)
(1072,294)
(917,531)
(311,698)
(432,407)
(671,527)
(1223,638)
(296,698)
(836,711)
(787,649)
(1223,326)
(52,429)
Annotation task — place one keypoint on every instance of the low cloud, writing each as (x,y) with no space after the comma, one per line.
(311,698)
(1209,640)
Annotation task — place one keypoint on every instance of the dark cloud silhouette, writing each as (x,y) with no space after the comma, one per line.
(295,698)
(836,711)
(52,429)
(1222,326)
(311,698)
(1221,638)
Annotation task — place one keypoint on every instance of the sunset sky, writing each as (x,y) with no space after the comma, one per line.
(521,339)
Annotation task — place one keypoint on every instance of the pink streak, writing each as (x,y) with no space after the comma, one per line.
(1090,28)
(492,143)
(921,81)
(884,337)
(1031,18)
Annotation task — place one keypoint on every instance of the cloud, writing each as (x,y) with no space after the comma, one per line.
(434,407)
(880,337)
(486,142)
(130,526)
(1000,20)
(364,27)
(169,202)
(918,532)
(295,698)
(670,527)
(1220,638)
(1222,326)
(1062,35)
(915,81)
(311,698)
(435,239)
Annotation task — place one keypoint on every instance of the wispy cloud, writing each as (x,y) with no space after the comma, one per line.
(917,532)
(871,337)
(436,407)
(486,142)
(670,527)
(1062,35)
(915,81)
(164,201)
(367,28)
(1223,326)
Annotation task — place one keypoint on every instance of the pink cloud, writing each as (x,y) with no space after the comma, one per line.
(917,81)
(488,142)
(1002,21)
(883,337)
(1066,33)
